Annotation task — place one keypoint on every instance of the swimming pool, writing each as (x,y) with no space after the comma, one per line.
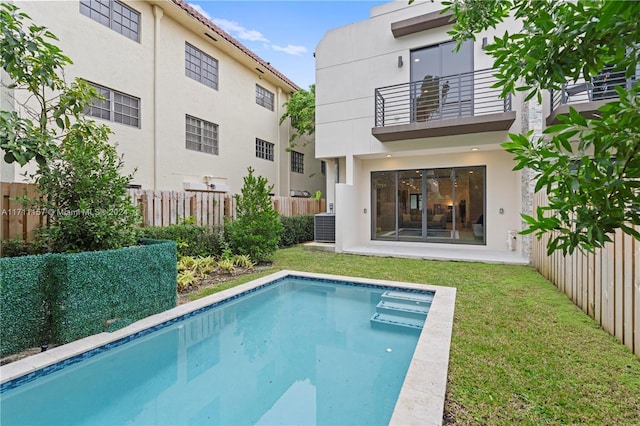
(311,358)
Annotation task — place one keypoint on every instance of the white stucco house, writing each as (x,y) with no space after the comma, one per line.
(189,105)
(411,131)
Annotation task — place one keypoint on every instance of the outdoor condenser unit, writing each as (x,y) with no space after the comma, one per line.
(324,226)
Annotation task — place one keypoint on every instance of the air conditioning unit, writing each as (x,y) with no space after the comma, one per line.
(219,187)
(196,186)
(324,227)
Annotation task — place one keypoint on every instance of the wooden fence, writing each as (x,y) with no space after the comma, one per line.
(604,284)
(158,208)
(18,221)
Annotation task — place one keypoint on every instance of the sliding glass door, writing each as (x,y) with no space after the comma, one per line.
(429,205)
(442,81)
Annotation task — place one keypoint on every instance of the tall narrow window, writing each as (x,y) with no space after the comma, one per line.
(297,162)
(201,135)
(115,15)
(264,97)
(264,149)
(200,66)
(116,106)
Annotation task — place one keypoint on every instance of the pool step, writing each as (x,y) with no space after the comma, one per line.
(409,298)
(398,309)
(387,321)
(403,309)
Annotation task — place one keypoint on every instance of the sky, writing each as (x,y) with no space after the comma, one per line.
(284,33)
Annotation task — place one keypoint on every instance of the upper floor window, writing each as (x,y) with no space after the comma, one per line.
(264,149)
(264,97)
(115,15)
(297,162)
(200,66)
(201,135)
(116,106)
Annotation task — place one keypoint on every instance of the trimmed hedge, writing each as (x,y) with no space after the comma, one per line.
(192,240)
(21,302)
(71,296)
(297,229)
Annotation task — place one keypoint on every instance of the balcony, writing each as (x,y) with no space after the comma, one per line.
(587,96)
(441,106)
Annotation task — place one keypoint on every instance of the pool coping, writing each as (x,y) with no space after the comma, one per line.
(421,399)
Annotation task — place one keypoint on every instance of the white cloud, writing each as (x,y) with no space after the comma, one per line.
(291,49)
(199,8)
(238,31)
(242,33)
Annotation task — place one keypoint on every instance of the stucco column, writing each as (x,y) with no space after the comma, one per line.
(157,14)
(279,102)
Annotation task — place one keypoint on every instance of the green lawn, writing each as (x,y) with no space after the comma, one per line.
(521,352)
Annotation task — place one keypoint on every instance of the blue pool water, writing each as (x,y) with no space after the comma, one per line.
(297,351)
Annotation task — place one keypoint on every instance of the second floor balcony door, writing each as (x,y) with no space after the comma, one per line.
(442,82)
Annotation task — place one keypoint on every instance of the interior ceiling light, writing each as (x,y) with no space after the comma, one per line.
(474,149)
(388,155)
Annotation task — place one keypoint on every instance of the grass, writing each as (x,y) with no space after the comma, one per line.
(521,352)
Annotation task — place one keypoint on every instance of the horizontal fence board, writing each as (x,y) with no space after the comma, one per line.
(604,284)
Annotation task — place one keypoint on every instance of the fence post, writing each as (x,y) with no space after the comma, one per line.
(192,206)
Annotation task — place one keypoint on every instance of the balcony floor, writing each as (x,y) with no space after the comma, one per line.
(454,126)
(586,109)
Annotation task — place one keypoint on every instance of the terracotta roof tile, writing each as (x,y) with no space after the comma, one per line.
(198,16)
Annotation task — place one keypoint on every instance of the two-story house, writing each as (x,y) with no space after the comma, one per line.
(410,130)
(189,105)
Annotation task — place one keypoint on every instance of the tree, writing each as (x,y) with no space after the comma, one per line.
(86,200)
(78,173)
(590,168)
(36,65)
(257,229)
(301,109)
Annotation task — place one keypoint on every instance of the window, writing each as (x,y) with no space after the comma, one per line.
(264,97)
(115,106)
(200,66)
(115,15)
(323,167)
(297,162)
(201,135)
(264,149)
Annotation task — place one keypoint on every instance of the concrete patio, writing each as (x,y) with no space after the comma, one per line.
(461,253)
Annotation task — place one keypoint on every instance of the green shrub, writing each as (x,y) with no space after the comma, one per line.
(297,229)
(192,240)
(88,205)
(17,247)
(257,228)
